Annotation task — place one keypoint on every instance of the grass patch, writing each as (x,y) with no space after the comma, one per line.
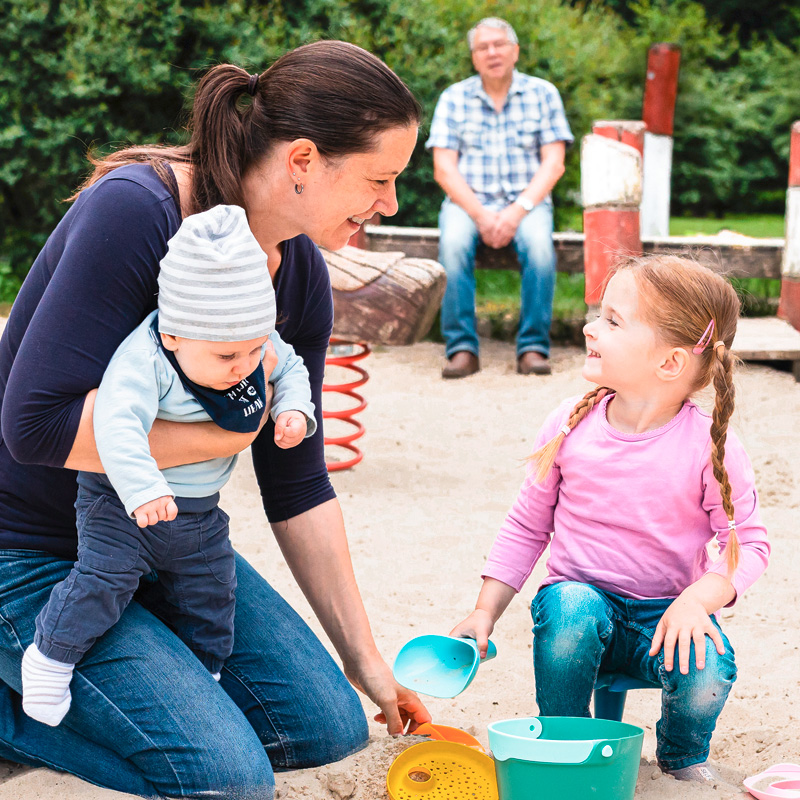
(498,301)
(760,226)
(498,291)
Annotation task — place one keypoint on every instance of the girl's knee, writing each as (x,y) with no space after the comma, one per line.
(707,688)
(570,606)
(570,623)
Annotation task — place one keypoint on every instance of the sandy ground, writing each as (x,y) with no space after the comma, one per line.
(443,463)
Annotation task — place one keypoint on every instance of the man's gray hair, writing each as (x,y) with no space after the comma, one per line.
(492,22)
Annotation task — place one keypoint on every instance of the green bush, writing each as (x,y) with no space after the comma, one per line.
(99,73)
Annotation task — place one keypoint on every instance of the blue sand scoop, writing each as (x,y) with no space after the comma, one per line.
(439,666)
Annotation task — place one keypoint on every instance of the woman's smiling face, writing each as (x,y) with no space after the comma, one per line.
(341,195)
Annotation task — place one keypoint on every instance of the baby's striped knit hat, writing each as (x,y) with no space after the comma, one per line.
(214,284)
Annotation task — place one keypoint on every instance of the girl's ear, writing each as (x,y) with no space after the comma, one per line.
(674,365)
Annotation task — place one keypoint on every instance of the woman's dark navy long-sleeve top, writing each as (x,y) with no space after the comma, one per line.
(94,281)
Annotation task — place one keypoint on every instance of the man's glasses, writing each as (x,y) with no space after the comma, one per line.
(485,48)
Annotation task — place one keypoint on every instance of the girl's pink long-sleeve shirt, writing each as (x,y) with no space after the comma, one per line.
(631,513)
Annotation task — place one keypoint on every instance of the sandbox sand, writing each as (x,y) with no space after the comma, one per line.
(443,463)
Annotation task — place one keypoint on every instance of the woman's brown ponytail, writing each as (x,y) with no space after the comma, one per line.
(222,143)
(335,94)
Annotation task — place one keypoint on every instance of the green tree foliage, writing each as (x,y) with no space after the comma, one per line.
(744,18)
(101,73)
(734,110)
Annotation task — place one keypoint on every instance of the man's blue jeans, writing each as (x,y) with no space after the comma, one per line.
(148,719)
(458,241)
(579,630)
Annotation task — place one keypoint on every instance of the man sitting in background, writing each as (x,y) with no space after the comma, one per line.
(498,141)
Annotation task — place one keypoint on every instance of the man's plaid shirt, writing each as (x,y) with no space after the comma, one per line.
(499,153)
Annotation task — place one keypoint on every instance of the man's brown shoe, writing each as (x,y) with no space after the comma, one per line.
(533,363)
(461,364)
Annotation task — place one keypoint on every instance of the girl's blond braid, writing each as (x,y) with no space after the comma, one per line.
(545,456)
(722,375)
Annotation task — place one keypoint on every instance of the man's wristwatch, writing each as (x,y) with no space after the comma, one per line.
(525,202)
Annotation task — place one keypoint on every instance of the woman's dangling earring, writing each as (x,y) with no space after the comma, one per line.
(298,188)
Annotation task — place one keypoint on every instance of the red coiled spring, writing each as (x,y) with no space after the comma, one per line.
(360,350)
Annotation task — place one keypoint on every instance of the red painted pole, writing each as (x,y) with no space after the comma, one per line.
(661,88)
(789,307)
(658,113)
(794,157)
(611,176)
(625,131)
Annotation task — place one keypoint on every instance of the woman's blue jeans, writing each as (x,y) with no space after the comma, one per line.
(458,241)
(579,630)
(148,719)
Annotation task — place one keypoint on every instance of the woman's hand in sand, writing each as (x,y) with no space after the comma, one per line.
(400,707)
(478,626)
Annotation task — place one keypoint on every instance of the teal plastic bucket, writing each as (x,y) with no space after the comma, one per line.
(569,758)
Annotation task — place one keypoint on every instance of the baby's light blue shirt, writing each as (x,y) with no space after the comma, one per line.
(139,386)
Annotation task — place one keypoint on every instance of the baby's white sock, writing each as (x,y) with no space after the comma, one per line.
(45,687)
(216,676)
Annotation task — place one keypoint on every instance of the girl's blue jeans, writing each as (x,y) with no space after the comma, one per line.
(580,630)
(148,719)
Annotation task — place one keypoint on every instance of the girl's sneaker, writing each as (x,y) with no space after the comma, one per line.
(704,773)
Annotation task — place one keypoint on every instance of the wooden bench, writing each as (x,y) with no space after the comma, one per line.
(758,339)
(742,257)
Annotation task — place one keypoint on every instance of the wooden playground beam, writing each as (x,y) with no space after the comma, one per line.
(741,258)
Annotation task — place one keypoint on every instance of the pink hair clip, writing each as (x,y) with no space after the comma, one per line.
(705,339)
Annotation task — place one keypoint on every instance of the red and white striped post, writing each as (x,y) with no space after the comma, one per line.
(789,307)
(611,192)
(658,112)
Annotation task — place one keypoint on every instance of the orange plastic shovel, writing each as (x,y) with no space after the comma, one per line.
(444,733)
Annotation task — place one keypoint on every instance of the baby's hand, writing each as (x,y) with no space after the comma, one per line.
(290,429)
(162,509)
(478,626)
(684,622)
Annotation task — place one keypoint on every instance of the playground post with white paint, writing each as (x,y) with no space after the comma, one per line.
(611,193)
(658,112)
(789,307)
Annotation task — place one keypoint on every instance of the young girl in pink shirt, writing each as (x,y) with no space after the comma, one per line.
(628,486)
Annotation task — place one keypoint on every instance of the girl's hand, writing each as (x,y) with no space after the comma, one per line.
(400,707)
(478,626)
(684,622)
